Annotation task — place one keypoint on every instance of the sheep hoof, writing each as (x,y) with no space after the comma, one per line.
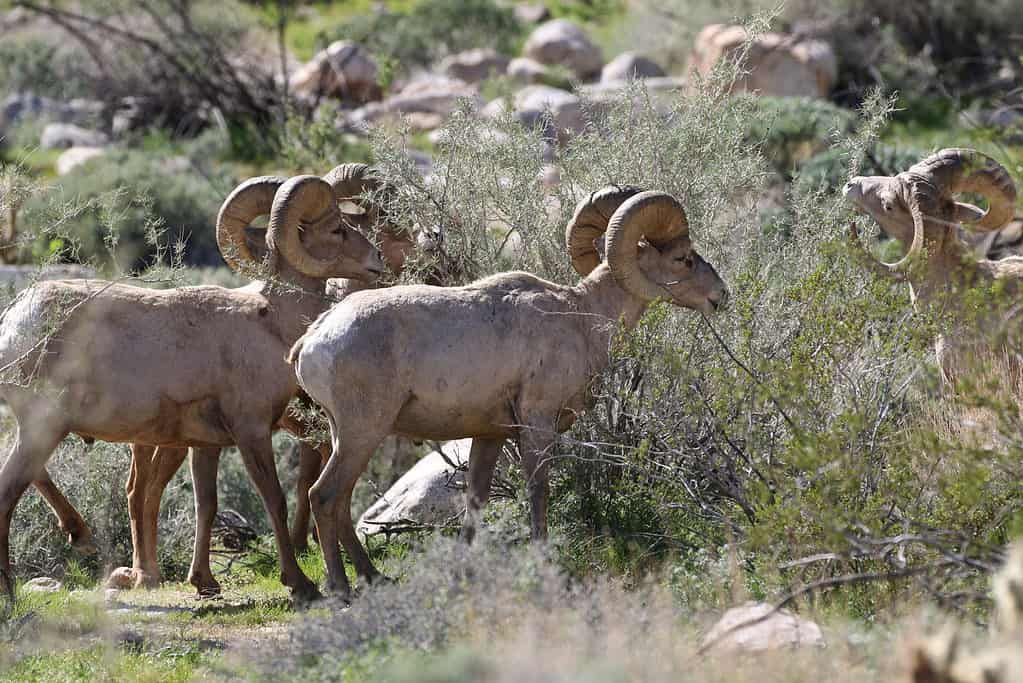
(306,593)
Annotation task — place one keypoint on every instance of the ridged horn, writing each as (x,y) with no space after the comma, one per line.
(248,201)
(955,170)
(590,222)
(354,179)
(654,216)
(303,202)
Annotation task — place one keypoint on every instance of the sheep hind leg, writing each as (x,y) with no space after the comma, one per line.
(331,499)
(310,464)
(482,461)
(78,532)
(26,463)
(258,456)
(138,476)
(165,464)
(205,463)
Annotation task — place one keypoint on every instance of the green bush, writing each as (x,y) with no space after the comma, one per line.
(791,130)
(130,209)
(433,29)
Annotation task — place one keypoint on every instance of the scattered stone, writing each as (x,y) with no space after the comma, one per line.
(777,631)
(122,578)
(565,109)
(779,64)
(344,70)
(27,106)
(432,492)
(1009,119)
(532,12)
(474,66)
(64,135)
(526,70)
(562,42)
(76,156)
(43,584)
(630,66)
(437,95)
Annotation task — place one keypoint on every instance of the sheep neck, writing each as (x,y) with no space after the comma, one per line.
(296,300)
(599,294)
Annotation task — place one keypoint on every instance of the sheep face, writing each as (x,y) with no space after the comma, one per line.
(882,198)
(352,254)
(691,281)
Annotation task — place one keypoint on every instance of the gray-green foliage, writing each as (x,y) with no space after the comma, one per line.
(129,209)
(432,29)
(93,479)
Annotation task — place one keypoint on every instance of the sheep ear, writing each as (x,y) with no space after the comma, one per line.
(967,213)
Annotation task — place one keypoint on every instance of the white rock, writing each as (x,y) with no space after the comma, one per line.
(43,584)
(63,135)
(780,630)
(565,108)
(778,63)
(343,70)
(526,70)
(16,278)
(431,98)
(122,578)
(629,66)
(473,66)
(76,156)
(562,42)
(430,493)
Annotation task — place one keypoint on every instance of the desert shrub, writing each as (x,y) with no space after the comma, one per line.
(791,130)
(829,169)
(130,209)
(40,66)
(935,47)
(93,478)
(175,61)
(431,30)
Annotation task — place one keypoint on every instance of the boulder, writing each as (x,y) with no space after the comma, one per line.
(526,70)
(43,584)
(778,64)
(344,70)
(473,66)
(629,66)
(563,43)
(780,630)
(122,578)
(432,492)
(531,12)
(76,156)
(433,95)
(565,109)
(64,135)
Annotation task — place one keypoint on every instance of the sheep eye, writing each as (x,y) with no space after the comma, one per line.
(341,231)
(688,260)
(886,205)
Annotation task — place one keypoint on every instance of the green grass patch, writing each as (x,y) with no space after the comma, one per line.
(103,663)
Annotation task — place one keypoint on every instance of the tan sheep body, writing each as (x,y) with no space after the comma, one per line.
(509,356)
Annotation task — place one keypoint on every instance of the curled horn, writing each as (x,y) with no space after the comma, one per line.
(303,201)
(351,180)
(656,217)
(248,201)
(955,170)
(590,222)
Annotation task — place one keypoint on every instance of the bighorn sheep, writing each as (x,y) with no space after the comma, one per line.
(194,366)
(152,468)
(917,208)
(511,355)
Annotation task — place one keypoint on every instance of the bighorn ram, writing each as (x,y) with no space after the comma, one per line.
(152,468)
(917,207)
(194,366)
(508,356)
